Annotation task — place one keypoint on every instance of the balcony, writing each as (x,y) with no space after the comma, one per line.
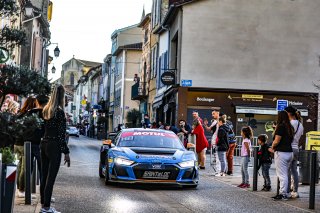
(138,91)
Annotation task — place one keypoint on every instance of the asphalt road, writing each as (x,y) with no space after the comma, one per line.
(79,189)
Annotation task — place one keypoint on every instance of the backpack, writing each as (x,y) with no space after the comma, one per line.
(230,134)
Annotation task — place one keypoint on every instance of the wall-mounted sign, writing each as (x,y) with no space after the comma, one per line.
(282,104)
(204,99)
(252,96)
(168,78)
(4,55)
(186,83)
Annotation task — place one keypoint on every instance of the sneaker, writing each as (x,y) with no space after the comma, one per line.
(50,210)
(294,195)
(21,194)
(240,185)
(202,167)
(222,174)
(229,173)
(245,186)
(280,197)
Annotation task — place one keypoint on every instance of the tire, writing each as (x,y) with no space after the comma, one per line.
(107,175)
(101,175)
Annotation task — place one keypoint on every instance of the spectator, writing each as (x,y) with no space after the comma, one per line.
(172,128)
(53,145)
(154,125)
(29,104)
(222,145)
(247,134)
(232,144)
(146,123)
(265,160)
(195,115)
(201,142)
(283,154)
(160,125)
(184,130)
(298,132)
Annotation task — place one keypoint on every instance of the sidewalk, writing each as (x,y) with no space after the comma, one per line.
(235,180)
(20,207)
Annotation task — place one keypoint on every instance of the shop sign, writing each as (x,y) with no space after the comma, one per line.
(168,78)
(295,103)
(186,83)
(281,104)
(252,96)
(204,99)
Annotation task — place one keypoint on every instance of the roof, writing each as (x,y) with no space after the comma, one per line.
(89,63)
(145,20)
(170,15)
(122,29)
(135,46)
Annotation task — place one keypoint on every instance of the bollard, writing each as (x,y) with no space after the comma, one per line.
(313,169)
(0,180)
(34,176)
(278,186)
(255,169)
(27,172)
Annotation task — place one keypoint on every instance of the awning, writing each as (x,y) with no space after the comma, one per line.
(263,110)
(157,101)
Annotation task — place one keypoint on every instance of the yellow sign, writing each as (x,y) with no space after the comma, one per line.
(252,96)
(84,102)
(313,140)
(50,11)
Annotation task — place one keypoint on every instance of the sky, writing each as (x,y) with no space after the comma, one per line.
(83,28)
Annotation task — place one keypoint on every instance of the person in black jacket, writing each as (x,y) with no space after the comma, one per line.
(38,133)
(53,145)
(264,161)
(222,145)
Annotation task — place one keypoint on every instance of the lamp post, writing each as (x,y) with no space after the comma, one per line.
(53,69)
(28,9)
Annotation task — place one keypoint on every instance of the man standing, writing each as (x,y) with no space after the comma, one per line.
(232,144)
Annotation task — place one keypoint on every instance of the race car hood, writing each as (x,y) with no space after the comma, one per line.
(155,155)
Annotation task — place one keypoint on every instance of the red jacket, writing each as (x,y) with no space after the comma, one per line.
(201,138)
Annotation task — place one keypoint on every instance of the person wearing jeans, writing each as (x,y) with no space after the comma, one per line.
(294,118)
(247,134)
(222,145)
(52,146)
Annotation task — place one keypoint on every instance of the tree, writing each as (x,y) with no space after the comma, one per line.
(133,118)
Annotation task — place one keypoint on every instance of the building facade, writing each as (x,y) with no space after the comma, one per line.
(242,63)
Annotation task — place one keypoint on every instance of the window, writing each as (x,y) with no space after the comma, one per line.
(72,79)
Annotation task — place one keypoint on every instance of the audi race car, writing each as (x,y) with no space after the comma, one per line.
(148,156)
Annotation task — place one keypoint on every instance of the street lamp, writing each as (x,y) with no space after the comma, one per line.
(53,69)
(83,79)
(28,9)
(56,51)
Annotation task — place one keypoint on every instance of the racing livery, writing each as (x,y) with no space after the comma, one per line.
(148,156)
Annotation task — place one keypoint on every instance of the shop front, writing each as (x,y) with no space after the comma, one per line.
(243,108)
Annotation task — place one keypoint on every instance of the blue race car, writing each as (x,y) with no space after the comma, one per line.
(148,156)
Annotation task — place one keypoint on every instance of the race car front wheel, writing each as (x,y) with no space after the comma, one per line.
(106,175)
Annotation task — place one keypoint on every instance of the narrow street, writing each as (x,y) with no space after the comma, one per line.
(79,189)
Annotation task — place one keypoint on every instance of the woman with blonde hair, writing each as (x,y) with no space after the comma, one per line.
(53,145)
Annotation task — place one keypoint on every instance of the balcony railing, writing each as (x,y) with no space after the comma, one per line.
(138,91)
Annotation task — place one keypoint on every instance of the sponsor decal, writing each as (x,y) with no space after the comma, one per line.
(148,133)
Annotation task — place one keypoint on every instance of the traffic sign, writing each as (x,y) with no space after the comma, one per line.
(281,104)
(186,83)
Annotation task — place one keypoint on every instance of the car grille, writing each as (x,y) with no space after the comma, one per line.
(188,174)
(141,168)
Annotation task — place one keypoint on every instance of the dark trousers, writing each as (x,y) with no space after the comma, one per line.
(50,159)
(265,173)
(35,154)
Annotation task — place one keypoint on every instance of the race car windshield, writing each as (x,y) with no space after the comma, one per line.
(169,141)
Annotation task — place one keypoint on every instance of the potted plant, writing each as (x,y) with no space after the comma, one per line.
(8,180)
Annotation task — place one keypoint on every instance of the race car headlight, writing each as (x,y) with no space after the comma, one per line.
(185,164)
(122,161)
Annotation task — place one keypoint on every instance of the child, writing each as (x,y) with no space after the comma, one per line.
(265,160)
(247,134)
